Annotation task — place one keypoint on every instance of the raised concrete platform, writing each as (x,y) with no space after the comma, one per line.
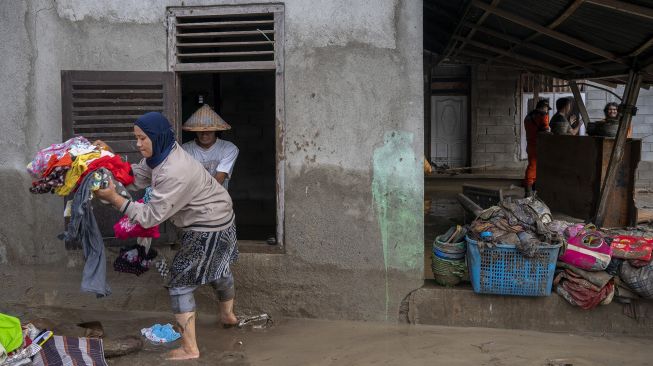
(461,307)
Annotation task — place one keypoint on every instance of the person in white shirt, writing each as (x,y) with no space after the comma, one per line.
(217,156)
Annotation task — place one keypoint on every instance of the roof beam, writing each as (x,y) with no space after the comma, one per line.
(528,60)
(518,42)
(447,51)
(547,31)
(478,22)
(642,48)
(571,9)
(625,7)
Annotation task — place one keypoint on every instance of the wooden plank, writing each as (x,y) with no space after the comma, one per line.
(226,66)
(108,134)
(225,10)
(117,100)
(102,125)
(579,102)
(624,7)
(224,34)
(631,93)
(529,60)
(103,118)
(549,32)
(119,108)
(225,54)
(471,33)
(447,85)
(227,24)
(224,44)
(517,43)
(103,84)
(118,91)
(280,125)
(643,47)
(66,105)
(571,9)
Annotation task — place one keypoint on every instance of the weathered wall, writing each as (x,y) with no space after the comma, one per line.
(495,118)
(354,137)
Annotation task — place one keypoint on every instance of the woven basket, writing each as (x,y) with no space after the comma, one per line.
(448,272)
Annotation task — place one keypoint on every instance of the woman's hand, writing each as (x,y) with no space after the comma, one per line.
(102,145)
(108,194)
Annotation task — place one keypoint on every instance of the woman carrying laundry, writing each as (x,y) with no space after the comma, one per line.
(186,194)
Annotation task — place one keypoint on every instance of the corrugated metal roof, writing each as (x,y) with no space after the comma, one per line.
(594,38)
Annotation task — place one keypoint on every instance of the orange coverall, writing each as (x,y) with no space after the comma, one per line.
(536,121)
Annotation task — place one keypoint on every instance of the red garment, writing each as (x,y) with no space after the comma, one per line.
(66,160)
(125,229)
(121,170)
(534,123)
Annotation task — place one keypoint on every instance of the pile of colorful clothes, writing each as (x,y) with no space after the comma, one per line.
(76,169)
(61,168)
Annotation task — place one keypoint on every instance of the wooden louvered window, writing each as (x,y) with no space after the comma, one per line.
(218,38)
(103,105)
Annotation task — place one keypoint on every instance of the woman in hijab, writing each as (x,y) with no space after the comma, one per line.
(186,194)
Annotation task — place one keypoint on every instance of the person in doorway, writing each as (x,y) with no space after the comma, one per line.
(216,155)
(563,122)
(536,121)
(186,194)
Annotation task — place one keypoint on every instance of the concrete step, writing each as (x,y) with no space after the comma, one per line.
(461,307)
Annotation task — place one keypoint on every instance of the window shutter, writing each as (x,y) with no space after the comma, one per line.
(104,105)
(225,37)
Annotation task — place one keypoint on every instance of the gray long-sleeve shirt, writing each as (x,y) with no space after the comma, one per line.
(182,191)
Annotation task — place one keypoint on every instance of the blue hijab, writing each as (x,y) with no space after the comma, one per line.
(158,129)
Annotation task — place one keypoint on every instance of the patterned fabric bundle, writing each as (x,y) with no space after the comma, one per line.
(70,351)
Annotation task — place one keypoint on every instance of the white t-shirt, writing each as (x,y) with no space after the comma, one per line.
(220,157)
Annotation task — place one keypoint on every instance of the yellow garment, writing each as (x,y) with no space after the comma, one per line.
(78,167)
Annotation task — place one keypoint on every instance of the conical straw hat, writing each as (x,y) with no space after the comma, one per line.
(205,119)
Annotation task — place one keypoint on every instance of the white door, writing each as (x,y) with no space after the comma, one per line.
(449,130)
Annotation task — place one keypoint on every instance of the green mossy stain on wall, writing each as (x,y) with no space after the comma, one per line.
(398,195)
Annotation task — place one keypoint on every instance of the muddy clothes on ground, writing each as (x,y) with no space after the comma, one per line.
(521,222)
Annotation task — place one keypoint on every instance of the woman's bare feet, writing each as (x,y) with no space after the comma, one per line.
(226,313)
(182,354)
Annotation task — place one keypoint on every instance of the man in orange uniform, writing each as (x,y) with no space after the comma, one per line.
(535,122)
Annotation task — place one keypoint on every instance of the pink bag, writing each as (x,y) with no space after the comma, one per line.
(125,229)
(587,250)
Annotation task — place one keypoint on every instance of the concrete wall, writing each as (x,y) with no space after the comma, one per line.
(354,140)
(495,118)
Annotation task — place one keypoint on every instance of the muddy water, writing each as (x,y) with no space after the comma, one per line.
(319,342)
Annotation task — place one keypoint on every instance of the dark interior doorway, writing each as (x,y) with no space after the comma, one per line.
(246,101)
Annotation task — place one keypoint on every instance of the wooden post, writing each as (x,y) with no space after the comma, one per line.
(579,102)
(631,92)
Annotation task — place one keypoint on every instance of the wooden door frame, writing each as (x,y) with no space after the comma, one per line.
(280,113)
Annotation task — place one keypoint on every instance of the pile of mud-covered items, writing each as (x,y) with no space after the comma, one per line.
(516,248)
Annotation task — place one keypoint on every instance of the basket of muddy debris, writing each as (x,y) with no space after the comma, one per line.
(503,270)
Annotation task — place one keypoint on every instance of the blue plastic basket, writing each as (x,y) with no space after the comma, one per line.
(502,270)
